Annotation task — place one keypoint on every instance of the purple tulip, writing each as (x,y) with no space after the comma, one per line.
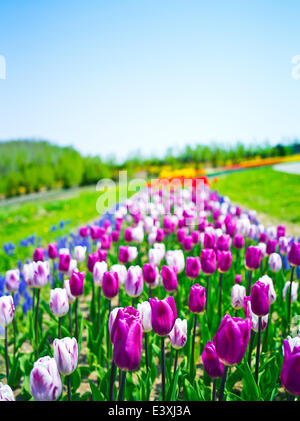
(197,298)
(193,266)
(294,254)
(110,285)
(223,242)
(83,232)
(39,274)
(178,334)
(271,246)
(64,262)
(238,279)
(290,372)
(77,283)
(188,243)
(238,241)
(115,235)
(163,315)
(160,235)
(128,235)
(169,278)
(280,231)
(224,259)
(95,232)
(208,261)
(45,381)
(212,365)
(124,254)
(181,235)
(150,272)
(66,355)
(127,339)
(134,282)
(253,257)
(38,255)
(102,255)
(231,339)
(260,302)
(52,251)
(196,237)
(92,259)
(209,240)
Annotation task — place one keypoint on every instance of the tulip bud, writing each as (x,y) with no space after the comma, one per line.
(38,255)
(79,253)
(294,295)
(145,315)
(208,261)
(253,257)
(163,315)
(99,269)
(6,394)
(254,317)
(45,381)
(271,246)
(66,355)
(71,298)
(260,302)
(223,242)
(238,294)
(115,236)
(209,240)
(193,267)
(150,272)
(294,254)
(231,339)
(110,285)
(188,243)
(238,279)
(283,244)
(127,337)
(275,262)
(77,283)
(59,303)
(280,231)
(7,310)
(196,298)
(212,365)
(12,279)
(160,235)
(178,334)
(52,251)
(96,232)
(37,274)
(83,232)
(134,283)
(124,254)
(290,372)
(93,258)
(64,262)
(169,278)
(121,271)
(224,259)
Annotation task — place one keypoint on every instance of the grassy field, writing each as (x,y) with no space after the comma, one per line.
(265,190)
(48,218)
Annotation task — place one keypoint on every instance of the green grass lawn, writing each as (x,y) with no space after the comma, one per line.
(22,220)
(265,190)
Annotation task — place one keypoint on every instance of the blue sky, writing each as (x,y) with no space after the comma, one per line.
(111,77)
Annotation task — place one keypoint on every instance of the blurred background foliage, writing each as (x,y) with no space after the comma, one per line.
(28,166)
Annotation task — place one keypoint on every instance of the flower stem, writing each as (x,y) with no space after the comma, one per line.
(69,388)
(70,320)
(258,348)
(220,294)
(59,327)
(6,355)
(252,336)
(99,308)
(249,281)
(163,369)
(112,380)
(122,386)
(193,348)
(36,322)
(206,294)
(214,391)
(290,299)
(223,383)
(175,364)
(146,351)
(76,319)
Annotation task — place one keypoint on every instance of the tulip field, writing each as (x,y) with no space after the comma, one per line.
(174,295)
